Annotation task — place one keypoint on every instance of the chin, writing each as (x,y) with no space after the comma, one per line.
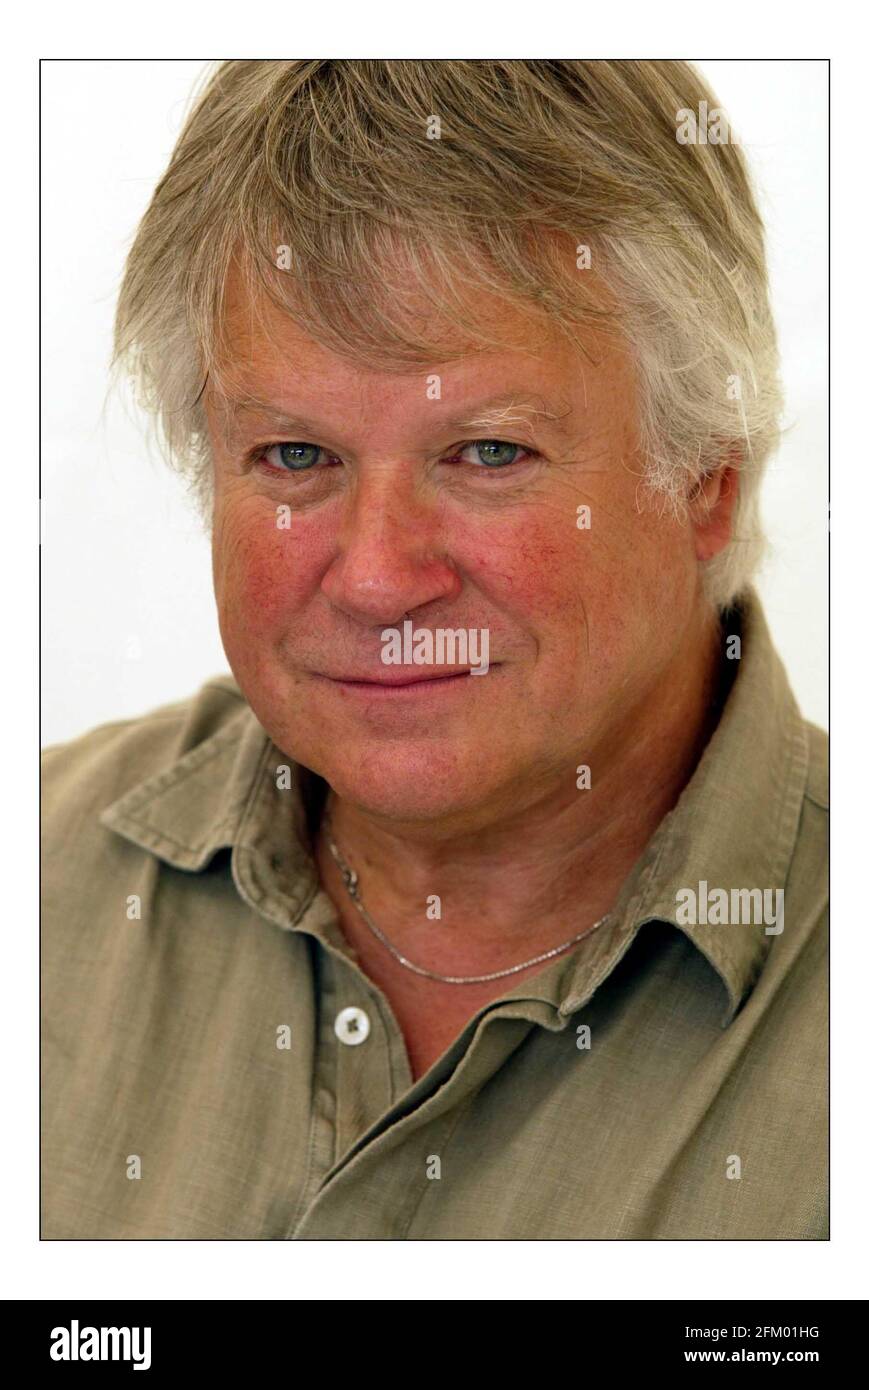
(407,780)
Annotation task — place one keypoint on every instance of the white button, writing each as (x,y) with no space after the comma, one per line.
(352,1026)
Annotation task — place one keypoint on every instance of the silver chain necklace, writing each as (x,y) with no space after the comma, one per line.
(351,883)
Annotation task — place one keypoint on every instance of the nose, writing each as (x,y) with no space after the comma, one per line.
(390,555)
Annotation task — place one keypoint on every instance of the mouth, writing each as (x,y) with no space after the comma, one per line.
(400,687)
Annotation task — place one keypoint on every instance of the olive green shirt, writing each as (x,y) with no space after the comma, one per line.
(203,1075)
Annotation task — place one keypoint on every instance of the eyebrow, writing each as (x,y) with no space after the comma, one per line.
(506,411)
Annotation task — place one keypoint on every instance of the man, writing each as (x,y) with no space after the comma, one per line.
(486,898)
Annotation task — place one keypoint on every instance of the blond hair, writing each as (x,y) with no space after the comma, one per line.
(469,172)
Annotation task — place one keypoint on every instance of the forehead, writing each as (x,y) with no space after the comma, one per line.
(497,351)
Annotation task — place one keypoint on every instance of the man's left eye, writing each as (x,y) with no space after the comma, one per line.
(492,453)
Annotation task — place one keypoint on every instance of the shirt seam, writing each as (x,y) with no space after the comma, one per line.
(460,1112)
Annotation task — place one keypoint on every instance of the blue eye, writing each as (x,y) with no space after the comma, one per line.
(297,456)
(294,457)
(495,453)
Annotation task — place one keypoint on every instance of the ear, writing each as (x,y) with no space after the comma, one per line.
(711,506)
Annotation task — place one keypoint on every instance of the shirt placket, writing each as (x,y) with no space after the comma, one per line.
(360,1065)
(371,1065)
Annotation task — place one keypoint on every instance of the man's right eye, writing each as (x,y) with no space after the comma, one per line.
(293,457)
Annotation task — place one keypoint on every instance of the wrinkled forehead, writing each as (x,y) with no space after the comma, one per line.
(414,317)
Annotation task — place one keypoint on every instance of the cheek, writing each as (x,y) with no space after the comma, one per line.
(263,573)
(543,570)
(589,596)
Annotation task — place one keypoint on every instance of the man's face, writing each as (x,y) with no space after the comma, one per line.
(549,542)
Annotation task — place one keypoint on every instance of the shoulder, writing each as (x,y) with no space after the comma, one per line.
(806,884)
(818,779)
(87,772)
(810,863)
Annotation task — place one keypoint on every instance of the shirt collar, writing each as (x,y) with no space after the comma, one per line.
(734,826)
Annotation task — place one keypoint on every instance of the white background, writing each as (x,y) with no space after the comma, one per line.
(129,619)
